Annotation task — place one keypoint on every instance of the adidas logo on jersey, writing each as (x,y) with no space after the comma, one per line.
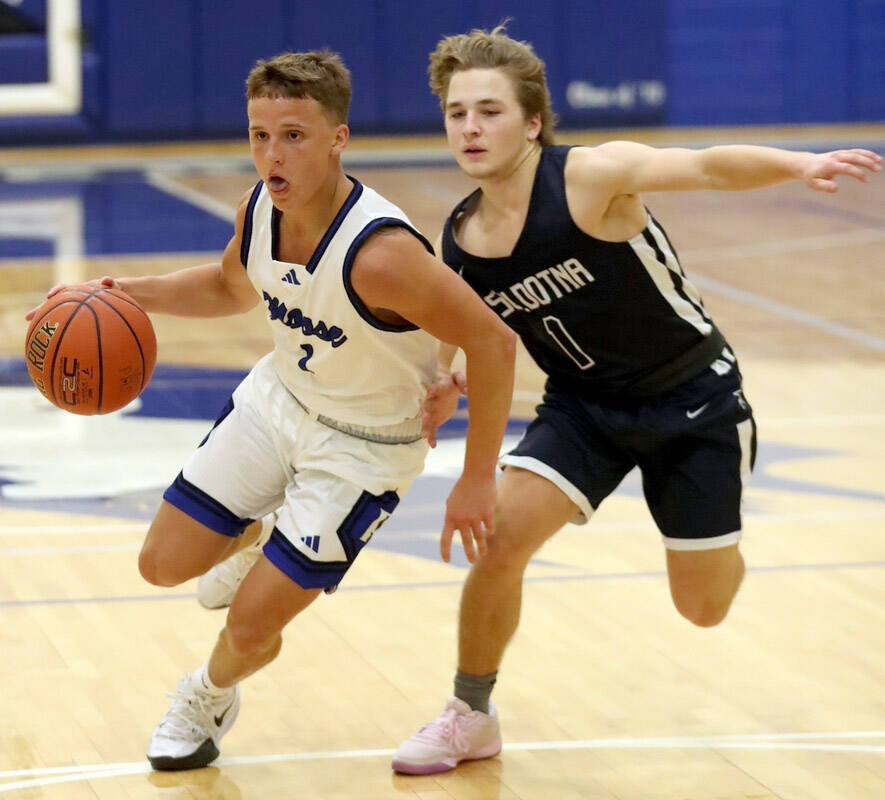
(291,277)
(313,542)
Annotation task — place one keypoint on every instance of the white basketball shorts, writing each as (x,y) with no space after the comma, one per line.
(266,452)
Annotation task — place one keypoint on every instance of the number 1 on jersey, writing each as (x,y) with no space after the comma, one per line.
(557,331)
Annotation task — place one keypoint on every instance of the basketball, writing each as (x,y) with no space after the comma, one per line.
(90,349)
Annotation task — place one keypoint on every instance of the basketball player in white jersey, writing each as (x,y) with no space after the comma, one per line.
(558,243)
(357,303)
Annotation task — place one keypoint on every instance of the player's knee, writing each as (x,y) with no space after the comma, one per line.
(705,612)
(150,568)
(511,547)
(704,583)
(159,571)
(246,639)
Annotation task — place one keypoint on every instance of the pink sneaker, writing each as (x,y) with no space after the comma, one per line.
(458,734)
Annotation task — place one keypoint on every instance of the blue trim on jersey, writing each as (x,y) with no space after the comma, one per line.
(310,574)
(358,304)
(206,510)
(275,217)
(228,407)
(246,239)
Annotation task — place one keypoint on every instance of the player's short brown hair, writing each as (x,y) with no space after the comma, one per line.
(319,74)
(496,50)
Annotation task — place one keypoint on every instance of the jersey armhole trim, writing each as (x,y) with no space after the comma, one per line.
(358,242)
(247,225)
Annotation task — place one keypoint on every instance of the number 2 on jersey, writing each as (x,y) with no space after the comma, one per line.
(557,331)
(308,354)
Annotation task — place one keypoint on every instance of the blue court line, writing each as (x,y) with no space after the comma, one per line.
(385,587)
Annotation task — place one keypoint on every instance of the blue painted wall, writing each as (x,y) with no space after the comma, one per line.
(768,61)
(175,68)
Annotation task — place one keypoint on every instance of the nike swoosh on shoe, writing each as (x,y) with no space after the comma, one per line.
(220,719)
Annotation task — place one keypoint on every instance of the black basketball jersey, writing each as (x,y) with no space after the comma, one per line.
(606,319)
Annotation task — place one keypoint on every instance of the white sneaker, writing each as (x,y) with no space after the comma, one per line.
(216,589)
(458,734)
(189,734)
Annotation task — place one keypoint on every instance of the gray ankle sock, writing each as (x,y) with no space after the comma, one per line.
(475,690)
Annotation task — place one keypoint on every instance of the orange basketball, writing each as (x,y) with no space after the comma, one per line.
(90,349)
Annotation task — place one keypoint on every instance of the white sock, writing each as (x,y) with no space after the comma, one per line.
(202,675)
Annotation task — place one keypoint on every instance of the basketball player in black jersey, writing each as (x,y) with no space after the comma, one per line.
(558,242)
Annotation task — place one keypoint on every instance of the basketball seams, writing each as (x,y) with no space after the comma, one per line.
(39,321)
(100,359)
(135,336)
(61,333)
(80,304)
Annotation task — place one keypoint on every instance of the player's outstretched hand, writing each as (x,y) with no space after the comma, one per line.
(440,403)
(823,168)
(106,281)
(470,510)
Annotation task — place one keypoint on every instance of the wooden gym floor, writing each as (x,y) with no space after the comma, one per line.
(605,692)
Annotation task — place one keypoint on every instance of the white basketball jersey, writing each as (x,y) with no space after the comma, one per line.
(330,352)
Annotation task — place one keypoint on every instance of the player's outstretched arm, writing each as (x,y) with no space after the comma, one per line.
(208,290)
(629,168)
(393,271)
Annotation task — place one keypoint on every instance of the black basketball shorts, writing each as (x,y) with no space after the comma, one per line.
(695,446)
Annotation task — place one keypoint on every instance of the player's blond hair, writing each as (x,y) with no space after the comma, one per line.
(319,74)
(494,49)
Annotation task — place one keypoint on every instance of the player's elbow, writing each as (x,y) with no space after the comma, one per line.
(490,342)
(237,300)
(502,343)
(505,341)
(722,169)
(244,303)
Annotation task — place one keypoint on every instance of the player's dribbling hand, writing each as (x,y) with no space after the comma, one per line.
(440,403)
(106,281)
(823,168)
(470,510)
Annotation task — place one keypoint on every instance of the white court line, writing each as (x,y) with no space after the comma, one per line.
(193,196)
(806,742)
